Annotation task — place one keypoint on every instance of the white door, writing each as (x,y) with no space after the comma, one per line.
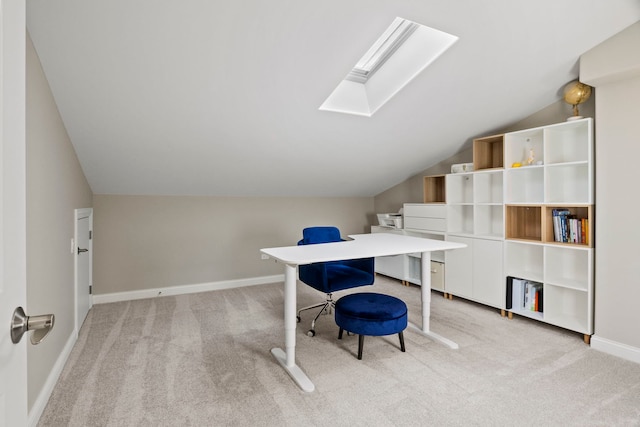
(13,357)
(459,275)
(489,284)
(83,261)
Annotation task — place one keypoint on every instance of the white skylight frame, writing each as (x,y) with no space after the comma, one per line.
(402,52)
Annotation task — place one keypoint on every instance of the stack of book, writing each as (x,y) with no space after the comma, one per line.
(524,295)
(569,229)
(532,296)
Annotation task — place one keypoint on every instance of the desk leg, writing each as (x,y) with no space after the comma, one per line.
(425,279)
(288,359)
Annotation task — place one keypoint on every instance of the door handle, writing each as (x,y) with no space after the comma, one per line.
(82,250)
(21,323)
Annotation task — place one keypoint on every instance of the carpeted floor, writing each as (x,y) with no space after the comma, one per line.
(204,359)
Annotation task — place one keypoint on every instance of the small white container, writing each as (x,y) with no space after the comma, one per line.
(462,167)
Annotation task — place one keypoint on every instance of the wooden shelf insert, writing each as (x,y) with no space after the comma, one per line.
(488,152)
(434,189)
(580,212)
(524,222)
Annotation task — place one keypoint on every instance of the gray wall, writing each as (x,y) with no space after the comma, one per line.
(410,191)
(146,242)
(55,187)
(614,69)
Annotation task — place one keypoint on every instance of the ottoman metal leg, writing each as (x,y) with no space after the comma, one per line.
(360,345)
(401,335)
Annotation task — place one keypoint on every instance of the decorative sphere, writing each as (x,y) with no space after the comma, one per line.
(576,93)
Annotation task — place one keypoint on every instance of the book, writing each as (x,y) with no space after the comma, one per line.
(560,227)
(532,296)
(586,231)
(509,301)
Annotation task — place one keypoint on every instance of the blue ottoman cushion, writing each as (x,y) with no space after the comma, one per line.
(373,314)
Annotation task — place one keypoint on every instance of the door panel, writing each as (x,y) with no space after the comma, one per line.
(459,276)
(13,357)
(489,284)
(83,254)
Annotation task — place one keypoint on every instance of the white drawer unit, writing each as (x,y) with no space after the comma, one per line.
(425,217)
(428,210)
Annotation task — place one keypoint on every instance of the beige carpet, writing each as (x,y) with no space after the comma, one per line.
(204,359)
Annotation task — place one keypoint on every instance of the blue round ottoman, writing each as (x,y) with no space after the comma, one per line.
(369,313)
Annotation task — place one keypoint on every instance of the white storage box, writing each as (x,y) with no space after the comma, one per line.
(462,167)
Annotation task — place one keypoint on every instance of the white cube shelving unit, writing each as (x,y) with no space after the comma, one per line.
(564,179)
(475,217)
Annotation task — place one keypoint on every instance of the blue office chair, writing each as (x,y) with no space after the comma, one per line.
(329,277)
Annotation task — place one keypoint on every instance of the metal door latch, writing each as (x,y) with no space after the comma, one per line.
(21,323)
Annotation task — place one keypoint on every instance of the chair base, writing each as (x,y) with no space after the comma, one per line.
(361,342)
(327,306)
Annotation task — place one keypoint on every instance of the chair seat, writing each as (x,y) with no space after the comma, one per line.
(341,277)
(369,313)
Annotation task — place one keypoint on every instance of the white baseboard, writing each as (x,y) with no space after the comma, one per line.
(184,289)
(45,393)
(615,348)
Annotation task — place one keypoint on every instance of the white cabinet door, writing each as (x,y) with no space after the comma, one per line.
(459,276)
(488,279)
(392,266)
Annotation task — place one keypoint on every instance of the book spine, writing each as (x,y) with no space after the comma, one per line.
(541,300)
(556,225)
(586,231)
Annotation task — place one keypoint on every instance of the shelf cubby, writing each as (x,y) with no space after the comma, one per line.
(460,219)
(519,145)
(567,308)
(580,212)
(568,183)
(567,268)
(488,152)
(489,221)
(488,187)
(565,143)
(524,260)
(460,187)
(524,222)
(434,189)
(518,291)
(525,185)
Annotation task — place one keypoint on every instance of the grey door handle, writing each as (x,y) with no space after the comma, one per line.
(82,250)
(21,323)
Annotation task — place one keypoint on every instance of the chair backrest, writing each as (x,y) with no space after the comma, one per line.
(312,235)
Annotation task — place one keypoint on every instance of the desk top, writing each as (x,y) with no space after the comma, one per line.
(362,246)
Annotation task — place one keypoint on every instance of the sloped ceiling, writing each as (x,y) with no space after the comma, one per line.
(205,97)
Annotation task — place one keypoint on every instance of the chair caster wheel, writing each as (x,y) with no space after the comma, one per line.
(311,333)
(298,318)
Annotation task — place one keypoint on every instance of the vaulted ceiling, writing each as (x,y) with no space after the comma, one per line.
(206,97)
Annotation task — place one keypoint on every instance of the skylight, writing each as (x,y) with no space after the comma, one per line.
(397,57)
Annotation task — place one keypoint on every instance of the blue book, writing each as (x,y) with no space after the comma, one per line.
(560,226)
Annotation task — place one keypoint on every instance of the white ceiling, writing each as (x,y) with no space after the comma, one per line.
(205,97)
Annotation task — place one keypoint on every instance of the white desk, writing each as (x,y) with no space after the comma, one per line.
(362,246)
